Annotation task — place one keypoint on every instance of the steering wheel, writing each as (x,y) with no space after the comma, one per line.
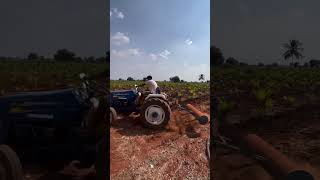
(91,87)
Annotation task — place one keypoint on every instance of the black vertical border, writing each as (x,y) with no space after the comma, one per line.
(212,115)
(106,151)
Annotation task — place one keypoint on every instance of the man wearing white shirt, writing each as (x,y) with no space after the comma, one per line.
(152,85)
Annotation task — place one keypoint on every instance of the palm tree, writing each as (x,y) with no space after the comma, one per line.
(292,50)
(201,77)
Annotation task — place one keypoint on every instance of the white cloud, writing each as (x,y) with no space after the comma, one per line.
(153,56)
(116,13)
(135,52)
(188,41)
(126,53)
(164,54)
(119,39)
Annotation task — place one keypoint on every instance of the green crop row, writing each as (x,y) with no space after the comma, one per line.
(23,75)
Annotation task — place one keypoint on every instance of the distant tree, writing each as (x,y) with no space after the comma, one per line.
(120,79)
(101,60)
(33,56)
(232,61)
(182,81)
(91,59)
(314,63)
(293,50)
(201,77)
(130,79)
(260,64)
(306,64)
(42,58)
(78,59)
(296,64)
(243,64)
(216,56)
(64,55)
(275,64)
(175,79)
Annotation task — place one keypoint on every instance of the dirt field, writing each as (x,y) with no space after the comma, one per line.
(179,152)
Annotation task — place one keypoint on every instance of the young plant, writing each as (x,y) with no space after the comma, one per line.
(265,101)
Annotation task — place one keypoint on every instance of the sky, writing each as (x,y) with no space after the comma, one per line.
(253,31)
(44,26)
(160,38)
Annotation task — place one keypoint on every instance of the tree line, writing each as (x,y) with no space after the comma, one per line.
(292,50)
(62,55)
(175,79)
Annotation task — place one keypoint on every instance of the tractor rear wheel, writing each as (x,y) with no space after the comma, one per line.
(10,166)
(113,115)
(155,113)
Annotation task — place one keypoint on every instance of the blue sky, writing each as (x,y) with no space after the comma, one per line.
(163,38)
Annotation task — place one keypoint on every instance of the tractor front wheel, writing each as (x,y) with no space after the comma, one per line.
(155,113)
(10,166)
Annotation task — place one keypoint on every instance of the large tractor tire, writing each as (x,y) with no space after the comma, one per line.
(155,113)
(113,115)
(10,165)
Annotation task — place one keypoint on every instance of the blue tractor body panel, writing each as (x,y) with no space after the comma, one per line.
(123,101)
(28,114)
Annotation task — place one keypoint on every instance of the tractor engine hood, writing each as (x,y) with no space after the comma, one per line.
(41,97)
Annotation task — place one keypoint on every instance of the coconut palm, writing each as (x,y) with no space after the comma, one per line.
(293,50)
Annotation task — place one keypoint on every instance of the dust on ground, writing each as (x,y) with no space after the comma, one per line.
(177,152)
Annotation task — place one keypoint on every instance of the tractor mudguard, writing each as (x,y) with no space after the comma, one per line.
(161,96)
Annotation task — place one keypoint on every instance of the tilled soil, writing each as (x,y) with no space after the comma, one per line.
(178,152)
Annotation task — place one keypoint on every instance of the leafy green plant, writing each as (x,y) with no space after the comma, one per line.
(265,101)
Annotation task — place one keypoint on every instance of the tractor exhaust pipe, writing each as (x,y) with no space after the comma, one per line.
(200,116)
(277,161)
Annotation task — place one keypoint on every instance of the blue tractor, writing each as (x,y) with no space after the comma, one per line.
(154,109)
(70,118)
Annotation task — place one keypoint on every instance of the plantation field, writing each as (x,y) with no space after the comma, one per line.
(280,104)
(270,89)
(273,79)
(25,75)
(183,90)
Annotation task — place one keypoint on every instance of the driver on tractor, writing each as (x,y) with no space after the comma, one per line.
(152,85)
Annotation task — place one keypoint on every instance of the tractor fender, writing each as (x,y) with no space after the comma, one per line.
(160,96)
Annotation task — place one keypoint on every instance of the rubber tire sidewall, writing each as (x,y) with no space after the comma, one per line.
(113,114)
(163,104)
(12,162)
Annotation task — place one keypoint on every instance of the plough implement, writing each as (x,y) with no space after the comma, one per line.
(200,116)
(276,163)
